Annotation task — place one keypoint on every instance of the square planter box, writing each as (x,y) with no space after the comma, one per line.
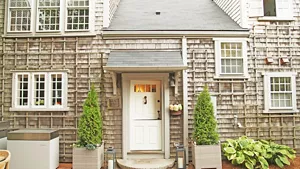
(33,149)
(91,159)
(207,156)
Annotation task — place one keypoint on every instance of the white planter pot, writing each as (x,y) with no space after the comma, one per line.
(207,156)
(91,159)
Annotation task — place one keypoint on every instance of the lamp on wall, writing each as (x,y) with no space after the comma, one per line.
(172,80)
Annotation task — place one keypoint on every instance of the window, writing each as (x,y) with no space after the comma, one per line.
(280,92)
(39,16)
(231,57)
(144,88)
(39,91)
(20,15)
(272,9)
(78,15)
(278,8)
(48,15)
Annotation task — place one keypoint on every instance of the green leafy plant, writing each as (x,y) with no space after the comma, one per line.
(90,123)
(257,154)
(205,125)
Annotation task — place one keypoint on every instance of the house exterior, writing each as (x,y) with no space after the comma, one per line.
(141,60)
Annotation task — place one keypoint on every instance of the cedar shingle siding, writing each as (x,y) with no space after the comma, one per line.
(84,58)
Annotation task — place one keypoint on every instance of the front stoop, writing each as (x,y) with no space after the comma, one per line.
(146,163)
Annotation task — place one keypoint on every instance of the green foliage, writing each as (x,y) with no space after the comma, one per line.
(205,125)
(257,154)
(90,123)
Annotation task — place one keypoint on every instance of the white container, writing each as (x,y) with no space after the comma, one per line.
(33,149)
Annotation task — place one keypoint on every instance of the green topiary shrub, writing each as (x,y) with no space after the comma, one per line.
(205,125)
(90,123)
(257,154)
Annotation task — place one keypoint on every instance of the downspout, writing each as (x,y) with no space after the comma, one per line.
(106,4)
(185,98)
(244,14)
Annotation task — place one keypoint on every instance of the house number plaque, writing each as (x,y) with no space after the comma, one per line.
(114,103)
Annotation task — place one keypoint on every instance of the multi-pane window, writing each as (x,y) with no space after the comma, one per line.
(19,15)
(56,89)
(231,58)
(48,15)
(40,91)
(77,14)
(40,16)
(145,88)
(22,85)
(280,92)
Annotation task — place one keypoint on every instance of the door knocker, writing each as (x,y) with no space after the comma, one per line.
(145,100)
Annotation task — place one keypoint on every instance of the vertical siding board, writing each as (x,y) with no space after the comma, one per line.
(231,8)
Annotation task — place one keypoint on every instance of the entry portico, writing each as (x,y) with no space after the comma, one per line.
(145,95)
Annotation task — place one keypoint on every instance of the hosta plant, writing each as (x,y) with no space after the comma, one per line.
(257,154)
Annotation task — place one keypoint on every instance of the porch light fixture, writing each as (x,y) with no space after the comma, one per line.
(172,80)
(180,157)
(110,158)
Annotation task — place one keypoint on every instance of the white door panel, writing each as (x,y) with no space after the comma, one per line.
(146,135)
(145,120)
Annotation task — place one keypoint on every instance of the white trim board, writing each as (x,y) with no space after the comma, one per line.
(163,77)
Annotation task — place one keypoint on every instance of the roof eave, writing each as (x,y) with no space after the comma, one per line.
(144,68)
(206,33)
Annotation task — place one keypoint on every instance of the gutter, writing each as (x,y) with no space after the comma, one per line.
(175,33)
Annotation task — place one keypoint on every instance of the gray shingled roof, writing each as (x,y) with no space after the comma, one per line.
(145,59)
(175,15)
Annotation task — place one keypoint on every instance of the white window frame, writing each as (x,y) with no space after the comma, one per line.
(218,65)
(49,7)
(31,102)
(34,29)
(256,9)
(9,16)
(267,93)
(33,91)
(77,7)
(15,93)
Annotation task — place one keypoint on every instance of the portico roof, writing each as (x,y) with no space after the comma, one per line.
(134,61)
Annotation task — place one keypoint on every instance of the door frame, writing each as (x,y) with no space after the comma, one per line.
(164,78)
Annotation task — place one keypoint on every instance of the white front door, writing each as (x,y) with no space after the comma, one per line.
(145,115)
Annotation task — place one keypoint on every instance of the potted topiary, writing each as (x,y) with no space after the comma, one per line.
(88,152)
(206,150)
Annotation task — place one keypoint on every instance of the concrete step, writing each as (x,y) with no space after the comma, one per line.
(146,163)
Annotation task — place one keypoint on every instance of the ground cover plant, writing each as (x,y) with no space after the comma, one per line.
(257,154)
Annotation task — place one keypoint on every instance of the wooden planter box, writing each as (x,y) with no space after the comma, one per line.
(207,156)
(91,159)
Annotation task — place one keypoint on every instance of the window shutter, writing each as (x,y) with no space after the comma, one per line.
(284,8)
(256,8)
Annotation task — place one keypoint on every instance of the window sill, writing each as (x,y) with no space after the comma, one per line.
(274,18)
(44,34)
(40,109)
(231,77)
(281,111)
